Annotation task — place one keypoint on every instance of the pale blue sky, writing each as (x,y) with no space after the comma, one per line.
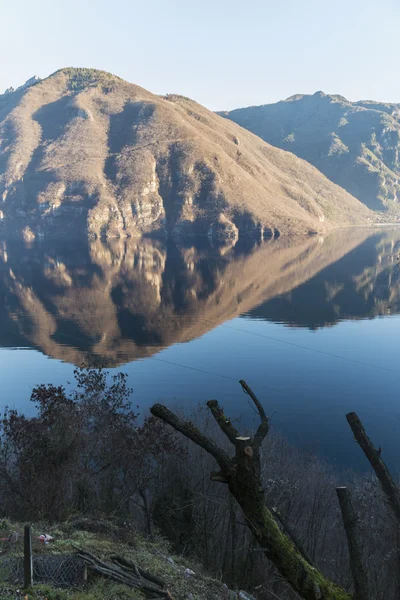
(223,53)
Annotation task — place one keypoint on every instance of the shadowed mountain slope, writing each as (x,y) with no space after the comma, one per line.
(355,144)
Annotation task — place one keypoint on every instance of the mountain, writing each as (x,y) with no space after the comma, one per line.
(86,153)
(115,301)
(355,144)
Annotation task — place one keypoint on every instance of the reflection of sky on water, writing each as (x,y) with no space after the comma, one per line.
(308,393)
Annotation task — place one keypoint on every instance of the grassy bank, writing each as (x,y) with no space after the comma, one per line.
(105,538)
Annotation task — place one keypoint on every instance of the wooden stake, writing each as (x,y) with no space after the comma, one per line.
(28,562)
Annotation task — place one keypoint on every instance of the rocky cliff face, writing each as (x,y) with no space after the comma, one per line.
(85,153)
(31,81)
(355,144)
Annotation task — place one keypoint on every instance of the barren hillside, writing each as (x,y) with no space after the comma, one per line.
(83,152)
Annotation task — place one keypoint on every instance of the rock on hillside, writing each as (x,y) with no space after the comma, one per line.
(83,152)
(355,144)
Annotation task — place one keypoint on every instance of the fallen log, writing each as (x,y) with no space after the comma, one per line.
(125,574)
(132,566)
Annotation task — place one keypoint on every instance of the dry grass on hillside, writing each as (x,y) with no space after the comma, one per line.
(103,539)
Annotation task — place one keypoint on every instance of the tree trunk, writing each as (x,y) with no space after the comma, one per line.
(147,513)
(242,474)
(350,519)
(374,456)
(291,534)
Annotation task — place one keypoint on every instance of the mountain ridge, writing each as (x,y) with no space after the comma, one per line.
(355,144)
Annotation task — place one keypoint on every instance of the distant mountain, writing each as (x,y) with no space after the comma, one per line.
(355,144)
(86,153)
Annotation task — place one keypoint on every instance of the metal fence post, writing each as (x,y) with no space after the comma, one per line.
(28,562)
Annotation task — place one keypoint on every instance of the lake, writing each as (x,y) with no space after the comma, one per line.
(312,324)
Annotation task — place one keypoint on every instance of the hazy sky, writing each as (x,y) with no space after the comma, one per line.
(222,53)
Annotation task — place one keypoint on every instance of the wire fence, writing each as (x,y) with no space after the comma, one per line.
(61,570)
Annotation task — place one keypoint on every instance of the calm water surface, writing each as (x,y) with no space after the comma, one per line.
(312,325)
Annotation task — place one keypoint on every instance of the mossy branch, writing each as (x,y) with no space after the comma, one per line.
(224,423)
(191,432)
(263,428)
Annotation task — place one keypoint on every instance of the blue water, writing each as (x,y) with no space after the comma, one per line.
(182,324)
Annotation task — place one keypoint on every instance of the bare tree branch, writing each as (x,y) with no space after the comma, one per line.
(224,423)
(263,428)
(146,574)
(191,432)
(350,519)
(374,456)
(261,433)
(247,389)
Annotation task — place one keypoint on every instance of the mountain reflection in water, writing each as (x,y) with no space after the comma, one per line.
(113,302)
(160,314)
